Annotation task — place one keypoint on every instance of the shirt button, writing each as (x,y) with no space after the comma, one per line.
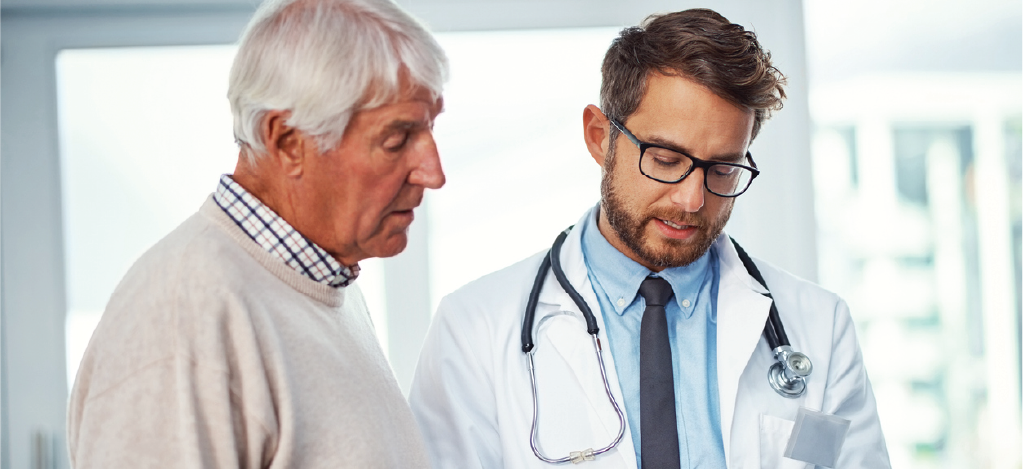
(621,302)
(686,303)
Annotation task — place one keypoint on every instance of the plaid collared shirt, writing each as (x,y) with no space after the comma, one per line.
(275,235)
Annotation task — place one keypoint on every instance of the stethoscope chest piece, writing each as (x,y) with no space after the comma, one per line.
(788,375)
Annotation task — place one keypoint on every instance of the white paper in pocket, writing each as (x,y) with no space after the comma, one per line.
(817,438)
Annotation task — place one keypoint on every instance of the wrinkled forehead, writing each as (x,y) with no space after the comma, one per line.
(400,88)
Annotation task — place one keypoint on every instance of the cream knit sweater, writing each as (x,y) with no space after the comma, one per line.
(213,353)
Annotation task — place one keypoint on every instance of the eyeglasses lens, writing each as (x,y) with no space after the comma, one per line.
(669,166)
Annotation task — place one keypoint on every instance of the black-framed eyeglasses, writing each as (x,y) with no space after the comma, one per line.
(672,166)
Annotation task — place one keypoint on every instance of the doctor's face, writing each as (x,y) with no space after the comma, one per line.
(667,225)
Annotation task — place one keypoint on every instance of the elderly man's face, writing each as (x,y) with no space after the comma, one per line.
(363,191)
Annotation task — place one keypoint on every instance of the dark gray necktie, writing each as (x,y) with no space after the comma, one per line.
(660,443)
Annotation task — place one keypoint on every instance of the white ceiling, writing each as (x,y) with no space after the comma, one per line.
(441,15)
(846,38)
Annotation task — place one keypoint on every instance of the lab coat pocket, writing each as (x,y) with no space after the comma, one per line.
(774,432)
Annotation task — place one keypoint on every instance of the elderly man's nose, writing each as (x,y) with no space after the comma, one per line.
(428,172)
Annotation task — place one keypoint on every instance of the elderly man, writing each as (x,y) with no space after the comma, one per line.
(239,340)
(514,371)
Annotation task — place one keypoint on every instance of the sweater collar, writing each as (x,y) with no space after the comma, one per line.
(276,236)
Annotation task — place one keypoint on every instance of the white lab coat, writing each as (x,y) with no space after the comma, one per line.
(472,399)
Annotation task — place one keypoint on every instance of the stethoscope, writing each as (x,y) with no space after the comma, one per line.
(787,376)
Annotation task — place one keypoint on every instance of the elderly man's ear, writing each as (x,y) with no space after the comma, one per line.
(286,146)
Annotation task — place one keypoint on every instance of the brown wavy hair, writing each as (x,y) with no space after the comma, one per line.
(700,45)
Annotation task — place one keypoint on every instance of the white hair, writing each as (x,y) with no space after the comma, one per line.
(323,61)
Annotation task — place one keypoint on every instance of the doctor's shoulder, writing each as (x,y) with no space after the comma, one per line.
(469,353)
(820,324)
(797,294)
(816,318)
(493,296)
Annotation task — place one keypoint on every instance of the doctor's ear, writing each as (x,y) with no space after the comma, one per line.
(596,133)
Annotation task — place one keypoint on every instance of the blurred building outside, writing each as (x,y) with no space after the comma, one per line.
(918,199)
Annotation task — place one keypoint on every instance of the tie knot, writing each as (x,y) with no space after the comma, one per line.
(656,291)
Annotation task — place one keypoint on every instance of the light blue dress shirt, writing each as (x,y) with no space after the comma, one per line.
(691,318)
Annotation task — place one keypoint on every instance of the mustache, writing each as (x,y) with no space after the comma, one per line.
(678,217)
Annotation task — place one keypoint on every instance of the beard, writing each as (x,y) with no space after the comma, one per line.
(630,227)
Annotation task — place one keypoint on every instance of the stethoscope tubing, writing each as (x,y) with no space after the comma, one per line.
(552,260)
(589,453)
(774,332)
(526,334)
(782,377)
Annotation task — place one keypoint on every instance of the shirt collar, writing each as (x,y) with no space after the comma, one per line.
(620,277)
(275,235)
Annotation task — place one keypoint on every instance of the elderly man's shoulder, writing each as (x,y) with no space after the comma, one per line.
(201,278)
(200,255)
(177,298)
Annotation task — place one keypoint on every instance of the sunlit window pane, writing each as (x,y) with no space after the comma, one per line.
(511,140)
(144,134)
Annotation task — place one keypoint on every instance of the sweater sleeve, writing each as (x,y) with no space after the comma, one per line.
(172,413)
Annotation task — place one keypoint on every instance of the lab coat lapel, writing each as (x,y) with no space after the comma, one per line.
(742,311)
(577,349)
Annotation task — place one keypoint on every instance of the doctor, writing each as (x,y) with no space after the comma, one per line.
(679,318)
